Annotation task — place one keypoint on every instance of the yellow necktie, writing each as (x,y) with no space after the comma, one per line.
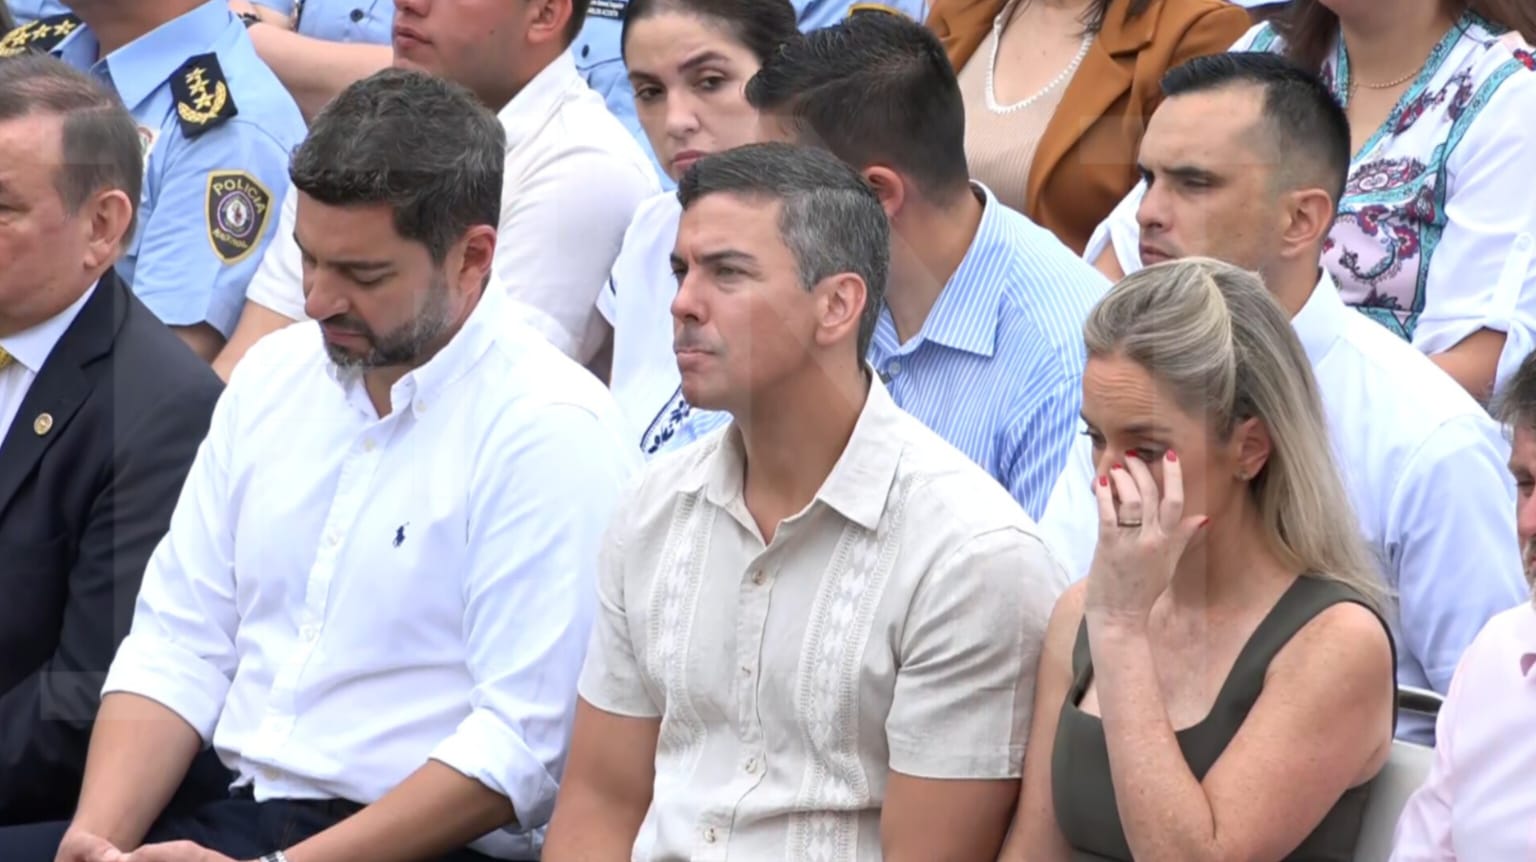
(5,359)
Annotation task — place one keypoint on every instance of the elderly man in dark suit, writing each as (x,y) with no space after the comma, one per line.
(101,412)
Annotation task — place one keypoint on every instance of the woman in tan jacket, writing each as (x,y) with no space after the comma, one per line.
(1057,93)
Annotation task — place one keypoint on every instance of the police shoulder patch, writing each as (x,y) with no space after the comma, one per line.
(203,100)
(41,35)
(238,209)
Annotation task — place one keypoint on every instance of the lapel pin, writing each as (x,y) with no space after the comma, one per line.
(42,424)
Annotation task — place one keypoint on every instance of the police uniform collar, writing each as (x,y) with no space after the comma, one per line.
(40,35)
(140,67)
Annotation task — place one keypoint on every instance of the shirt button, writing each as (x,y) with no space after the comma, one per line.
(750,766)
(420,407)
(367,445)
(357,15)
(893,369)
(332,539)
(310,633)
(709,835)
(746,671)
(758,577)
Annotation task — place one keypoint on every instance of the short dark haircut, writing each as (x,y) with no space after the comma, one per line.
(578,19)
(1515,404)
(872,89)
(1308,129)
(761,26)
(422,145)
(830,220)
(101,142)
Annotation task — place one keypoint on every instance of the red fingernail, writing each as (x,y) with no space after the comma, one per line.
(1131,453)
(1172,458)
(1103,480)
(1119,466)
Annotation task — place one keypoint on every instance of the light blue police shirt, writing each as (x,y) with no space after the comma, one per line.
(601,62)
(27,11)
(365,21)
(218,128)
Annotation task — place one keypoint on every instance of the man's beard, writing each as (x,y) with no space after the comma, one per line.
(402,346)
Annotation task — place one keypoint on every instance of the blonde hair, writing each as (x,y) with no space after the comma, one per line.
(1212,334)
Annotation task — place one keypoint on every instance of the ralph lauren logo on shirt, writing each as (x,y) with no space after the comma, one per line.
(400,534)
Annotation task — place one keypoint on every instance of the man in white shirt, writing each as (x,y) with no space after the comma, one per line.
(820,625)
(1479,801)
(1244,161)
(377,587)
(574,176)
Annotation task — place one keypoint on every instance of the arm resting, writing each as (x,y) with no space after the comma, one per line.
(607,787)
(140,752)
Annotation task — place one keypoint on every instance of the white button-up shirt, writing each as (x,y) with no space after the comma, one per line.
(892,625)
(1424,466)
(28,350)
(342,596)
(574,178)
(1479,802)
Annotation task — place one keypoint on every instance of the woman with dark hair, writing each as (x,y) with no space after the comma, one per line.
(1433,240)
(1057,93)
(689,62)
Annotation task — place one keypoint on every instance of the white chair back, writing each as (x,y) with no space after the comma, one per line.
(1407,767)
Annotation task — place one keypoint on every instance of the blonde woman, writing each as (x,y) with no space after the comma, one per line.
(1221,685)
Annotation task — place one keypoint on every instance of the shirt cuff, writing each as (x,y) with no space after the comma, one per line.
(485,749)
(172,676)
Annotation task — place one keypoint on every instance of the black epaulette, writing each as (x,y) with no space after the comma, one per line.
(41,35)
(203,100)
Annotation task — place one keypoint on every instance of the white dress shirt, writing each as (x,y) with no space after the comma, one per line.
(1479,802)
(573,179)
(342,597)
(29,349)
(894,624)
(1424,466)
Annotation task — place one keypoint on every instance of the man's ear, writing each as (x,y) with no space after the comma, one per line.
(547,21)
(888,186)
(840,303)
(479,250)
(109,223)
(1309,218)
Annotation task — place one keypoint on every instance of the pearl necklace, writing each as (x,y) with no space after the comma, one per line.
(1066,74)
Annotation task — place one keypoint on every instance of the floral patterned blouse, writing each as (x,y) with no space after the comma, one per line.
(1436,234)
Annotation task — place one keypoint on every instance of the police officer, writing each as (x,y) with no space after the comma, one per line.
(318,47)
(216,126)
(601,62)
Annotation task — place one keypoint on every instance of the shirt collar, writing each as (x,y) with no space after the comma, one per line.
(31,347)
(535,103)
(957,319)
(420,386)
(140,67)
(1322,319)
(859,484)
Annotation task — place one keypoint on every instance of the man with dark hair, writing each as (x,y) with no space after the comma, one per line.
(573,177)
(796,607)
(104,410)
(1244,162)
(981,333)
(375,594)
(216,128)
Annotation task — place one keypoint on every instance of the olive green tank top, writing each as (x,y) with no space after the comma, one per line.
(1080,777)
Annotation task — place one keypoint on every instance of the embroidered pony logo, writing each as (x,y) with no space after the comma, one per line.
(400,534)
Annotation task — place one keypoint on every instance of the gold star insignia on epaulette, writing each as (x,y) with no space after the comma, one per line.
(41,35)
(202,95)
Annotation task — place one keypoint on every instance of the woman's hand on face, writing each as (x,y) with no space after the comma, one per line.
(1141,538)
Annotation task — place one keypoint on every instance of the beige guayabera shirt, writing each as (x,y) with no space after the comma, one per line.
(894,624)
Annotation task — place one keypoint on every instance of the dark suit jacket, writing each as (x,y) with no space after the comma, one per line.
(1086,160)
(82,505)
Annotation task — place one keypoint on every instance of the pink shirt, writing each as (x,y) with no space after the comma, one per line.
(1479,802)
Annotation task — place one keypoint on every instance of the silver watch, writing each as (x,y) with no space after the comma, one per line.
(276,856)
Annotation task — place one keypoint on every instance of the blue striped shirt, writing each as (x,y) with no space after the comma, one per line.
(997,368)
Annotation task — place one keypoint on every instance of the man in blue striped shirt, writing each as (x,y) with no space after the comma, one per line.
(981,337)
